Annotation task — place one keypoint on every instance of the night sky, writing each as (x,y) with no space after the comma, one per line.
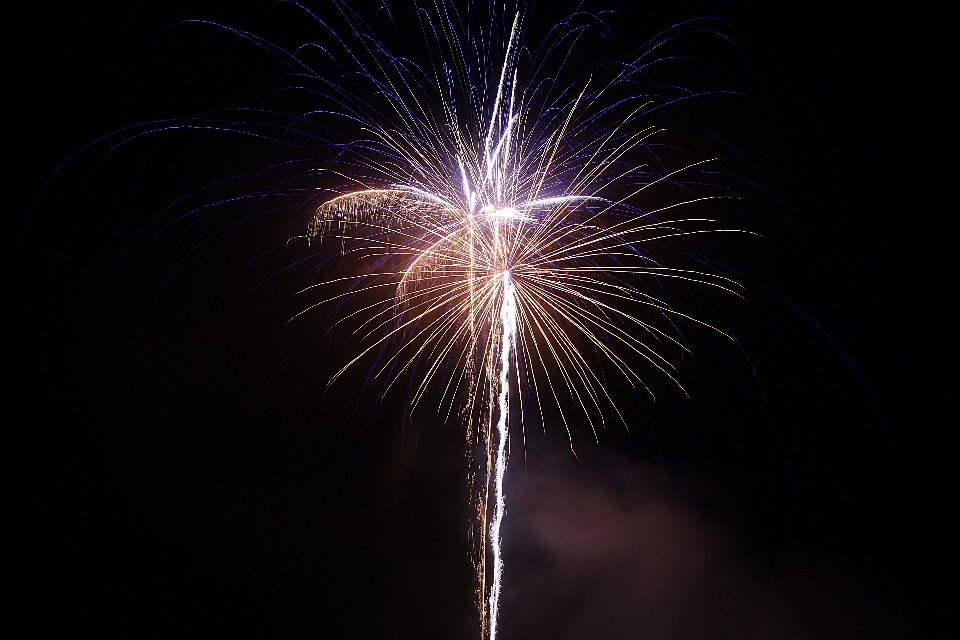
(169,473)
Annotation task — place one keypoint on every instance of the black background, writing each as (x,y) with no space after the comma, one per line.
(147,494)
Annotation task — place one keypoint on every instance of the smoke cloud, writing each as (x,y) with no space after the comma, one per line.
(589,560)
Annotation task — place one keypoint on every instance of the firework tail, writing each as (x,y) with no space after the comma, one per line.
(508,336)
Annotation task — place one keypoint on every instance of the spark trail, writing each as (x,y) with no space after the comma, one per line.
(508,324)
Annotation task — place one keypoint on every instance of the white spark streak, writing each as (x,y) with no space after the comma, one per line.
(508,326)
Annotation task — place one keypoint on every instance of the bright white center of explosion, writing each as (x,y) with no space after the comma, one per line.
(506,212)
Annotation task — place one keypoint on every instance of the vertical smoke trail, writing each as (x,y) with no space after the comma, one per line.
(508,324)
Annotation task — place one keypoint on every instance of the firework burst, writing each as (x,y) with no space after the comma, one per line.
(504,215)
(519,225)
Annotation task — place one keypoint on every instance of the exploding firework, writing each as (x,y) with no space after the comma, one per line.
(506,217)
(519,225)
(518,237)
